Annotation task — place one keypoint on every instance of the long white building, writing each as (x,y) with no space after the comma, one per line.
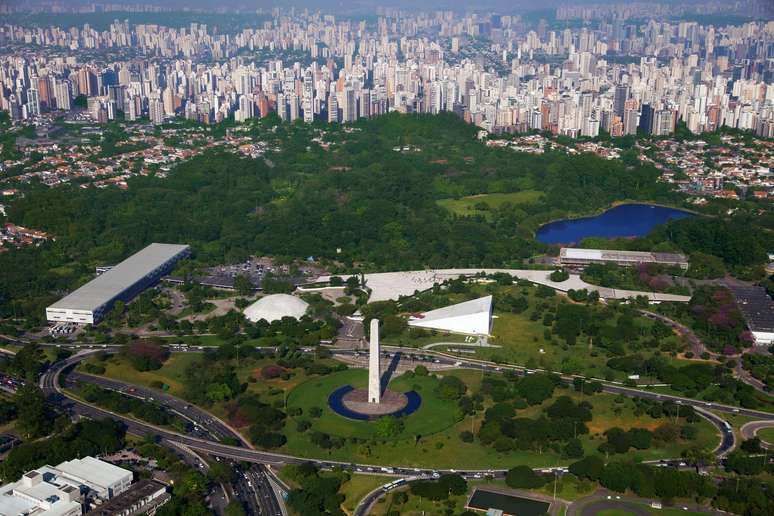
(88,304)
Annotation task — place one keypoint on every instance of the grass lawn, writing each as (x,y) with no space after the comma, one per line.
(433,415)
(521,341)
(406,339)
(357,487)
(8,428)
(611,411)
(665,511)
(569,487)
(766,434)
(205,340)
(171,373)
(440,444)
(416,506)
(466,206)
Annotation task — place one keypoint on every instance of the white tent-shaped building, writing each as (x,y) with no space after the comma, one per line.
(469,318)
(275,307)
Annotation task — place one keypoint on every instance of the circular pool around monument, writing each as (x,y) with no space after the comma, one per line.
(353,403)
(625,220)
(425,414)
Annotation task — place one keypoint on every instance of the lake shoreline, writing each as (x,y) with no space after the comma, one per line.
(602,212)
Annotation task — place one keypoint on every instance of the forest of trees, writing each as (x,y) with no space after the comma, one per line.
(374,205)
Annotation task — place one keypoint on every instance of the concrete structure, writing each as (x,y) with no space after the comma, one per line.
(469,318)
(102,478)
(758,310)
(144,496)
(392,285)
(275,307)
(374,369)
(576,257)
(90,303)
(61,490)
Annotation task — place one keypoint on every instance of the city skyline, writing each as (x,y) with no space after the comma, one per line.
(493,71)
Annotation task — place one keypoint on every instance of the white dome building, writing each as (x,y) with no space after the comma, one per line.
(275,307)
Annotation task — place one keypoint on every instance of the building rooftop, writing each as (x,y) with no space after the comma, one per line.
(574,253)
(757,307)
(93,471)
(112,283)
(57,491)
(470,317)
(142,490)
(275,307)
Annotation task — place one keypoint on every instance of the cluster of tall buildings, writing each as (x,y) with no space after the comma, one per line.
(495,71)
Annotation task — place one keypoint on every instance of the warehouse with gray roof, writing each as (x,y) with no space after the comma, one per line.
(576,257)
(90,303)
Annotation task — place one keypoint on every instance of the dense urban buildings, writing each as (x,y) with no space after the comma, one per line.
(499,72)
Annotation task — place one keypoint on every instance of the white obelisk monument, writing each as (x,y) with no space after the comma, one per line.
(374,371)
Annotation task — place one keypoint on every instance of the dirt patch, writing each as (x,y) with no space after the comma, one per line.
(600,427)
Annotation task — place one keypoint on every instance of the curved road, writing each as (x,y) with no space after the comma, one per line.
(749,430)
(603,500)
(698,347)
(50,384)
(255,485)
(609,387)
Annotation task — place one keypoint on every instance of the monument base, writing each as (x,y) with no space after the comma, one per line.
(356,400)
(353,403)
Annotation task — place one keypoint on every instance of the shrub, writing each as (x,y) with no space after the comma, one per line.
(421,370)
(146,354)
(271,372)
(523,477)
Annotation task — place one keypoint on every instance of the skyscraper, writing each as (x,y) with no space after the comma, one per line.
(646,118)
(348,107)
(62,95)
(333,108)
(33,101)
(620,98)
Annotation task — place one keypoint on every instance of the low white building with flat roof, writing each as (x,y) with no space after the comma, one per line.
(573,256)
(60,490)
(102,478)
(90,303)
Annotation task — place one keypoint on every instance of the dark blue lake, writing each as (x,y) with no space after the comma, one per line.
(626,220)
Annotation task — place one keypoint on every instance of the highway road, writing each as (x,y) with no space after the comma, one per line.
(254,486)
(50,384)
(749,430)
(364,507)
(202,420)
(256,490)
(435,357)
(611,501)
